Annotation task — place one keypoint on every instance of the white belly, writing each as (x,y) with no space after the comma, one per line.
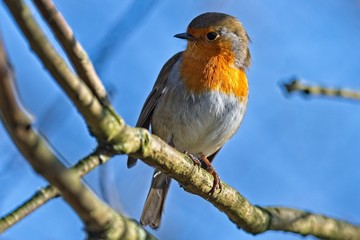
(197,124)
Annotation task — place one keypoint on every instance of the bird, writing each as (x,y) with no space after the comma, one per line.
(198,100)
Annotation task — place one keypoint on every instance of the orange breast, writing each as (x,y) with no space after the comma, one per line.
(213,72)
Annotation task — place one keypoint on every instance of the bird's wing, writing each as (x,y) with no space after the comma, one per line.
(154,96)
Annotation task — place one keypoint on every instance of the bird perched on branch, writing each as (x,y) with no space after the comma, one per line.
(198,100)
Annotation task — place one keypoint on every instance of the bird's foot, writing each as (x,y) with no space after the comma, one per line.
(211,169)
(195,160)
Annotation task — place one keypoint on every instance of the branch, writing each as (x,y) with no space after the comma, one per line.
(306,223)
(80,94)
(37,200)
(253,219)
(100,220)
(43,195)
(72,47)
(295,85)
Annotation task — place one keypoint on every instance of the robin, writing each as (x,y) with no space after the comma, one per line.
(198,100)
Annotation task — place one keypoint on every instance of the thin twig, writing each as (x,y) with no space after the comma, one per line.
(43,195)
(295,85)
(72,47)
(38,199)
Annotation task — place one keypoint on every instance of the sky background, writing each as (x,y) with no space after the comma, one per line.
(289,151)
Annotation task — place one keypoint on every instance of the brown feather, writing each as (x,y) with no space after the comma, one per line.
(147,110)
(154,204)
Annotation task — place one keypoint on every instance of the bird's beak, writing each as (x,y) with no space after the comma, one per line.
(185,36)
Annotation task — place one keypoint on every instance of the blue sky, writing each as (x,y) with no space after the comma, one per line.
(290,151)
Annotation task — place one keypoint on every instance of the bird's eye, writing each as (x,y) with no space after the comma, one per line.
(212,36)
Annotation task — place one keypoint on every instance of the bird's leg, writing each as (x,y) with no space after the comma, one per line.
(196,161)
(211,170)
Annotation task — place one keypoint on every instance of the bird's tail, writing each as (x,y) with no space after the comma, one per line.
(154,204)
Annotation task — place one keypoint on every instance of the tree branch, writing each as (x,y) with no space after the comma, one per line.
(100,220)
(72,47)
(306,223)
(37,200)
(252,219)
(80,94)
(43,195)
(295,85)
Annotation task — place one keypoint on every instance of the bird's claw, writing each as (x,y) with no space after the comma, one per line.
(211,169)
(216,183)
(195,160)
